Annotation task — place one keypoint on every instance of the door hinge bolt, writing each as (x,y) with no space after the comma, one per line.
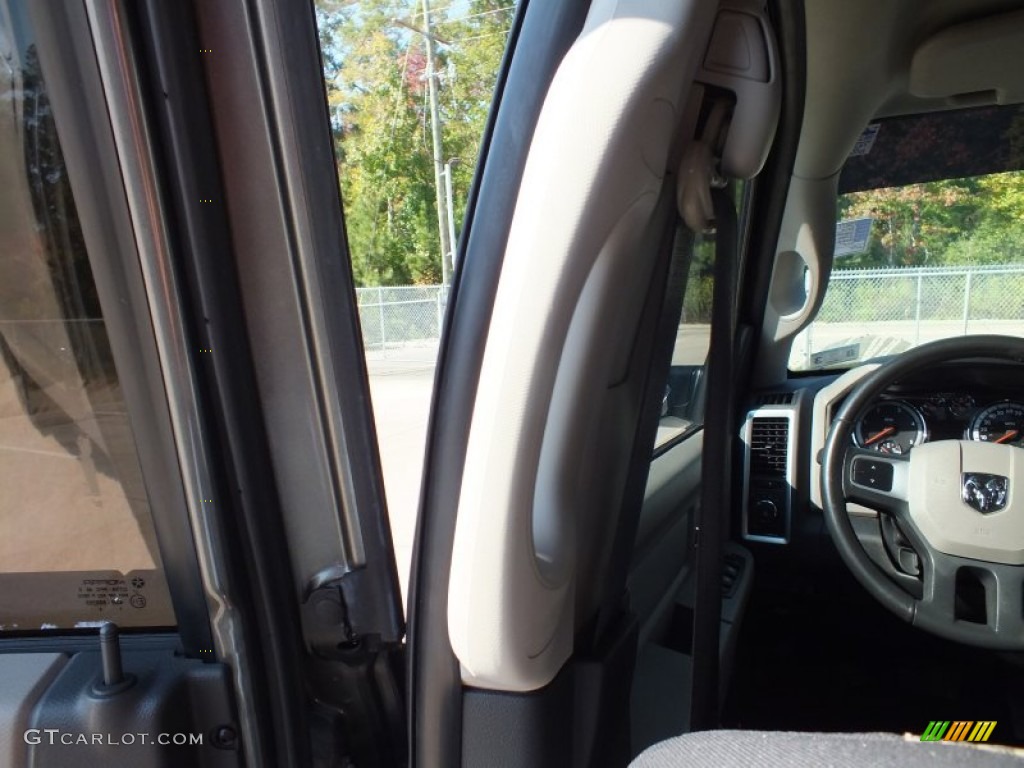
(225,737)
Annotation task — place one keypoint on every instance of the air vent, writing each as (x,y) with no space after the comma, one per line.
(769,438)
(775,398)
(769,479)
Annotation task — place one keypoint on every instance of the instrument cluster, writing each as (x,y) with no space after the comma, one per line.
(895,424)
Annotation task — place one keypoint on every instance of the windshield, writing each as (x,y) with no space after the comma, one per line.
(916,262)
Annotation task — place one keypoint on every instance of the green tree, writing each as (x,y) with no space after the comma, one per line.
(375,72)
(913,225)
(470,67)
(977,220)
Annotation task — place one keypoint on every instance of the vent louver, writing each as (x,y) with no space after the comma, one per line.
(769,441)
(775,398)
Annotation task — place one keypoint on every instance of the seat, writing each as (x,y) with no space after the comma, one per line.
(788,749)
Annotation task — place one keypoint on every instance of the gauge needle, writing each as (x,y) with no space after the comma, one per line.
(879,435)
(1008,436)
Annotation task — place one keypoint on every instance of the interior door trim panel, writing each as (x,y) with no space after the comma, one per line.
(26,676)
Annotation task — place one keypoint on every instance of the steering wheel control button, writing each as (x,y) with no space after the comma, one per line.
(985,493)
(876,475)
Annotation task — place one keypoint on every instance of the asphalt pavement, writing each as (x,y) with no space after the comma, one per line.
(401,381)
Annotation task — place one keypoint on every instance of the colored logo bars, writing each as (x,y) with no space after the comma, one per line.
(958,730)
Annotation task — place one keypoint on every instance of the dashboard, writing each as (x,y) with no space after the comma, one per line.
(786,429)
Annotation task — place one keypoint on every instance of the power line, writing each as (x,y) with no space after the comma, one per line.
(415,10)
(457,41)
(459,19)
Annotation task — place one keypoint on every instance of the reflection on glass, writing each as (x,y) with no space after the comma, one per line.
(77,543)
(682,404)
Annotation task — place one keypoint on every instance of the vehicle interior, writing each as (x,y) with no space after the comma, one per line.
(685,499)
(828,603)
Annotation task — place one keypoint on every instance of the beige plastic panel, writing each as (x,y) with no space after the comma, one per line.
(806,243)
(591,181)
(949,523)
(742,58)
(980,58)
(824,404)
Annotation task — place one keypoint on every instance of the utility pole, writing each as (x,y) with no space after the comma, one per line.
(439,169)
(450,204)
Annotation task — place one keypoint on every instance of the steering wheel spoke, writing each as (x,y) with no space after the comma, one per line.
(972,601)
(879,481)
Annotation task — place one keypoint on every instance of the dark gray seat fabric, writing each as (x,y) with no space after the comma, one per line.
(786,749)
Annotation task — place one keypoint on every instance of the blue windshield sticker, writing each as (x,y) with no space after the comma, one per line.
(866,140)
(852,236)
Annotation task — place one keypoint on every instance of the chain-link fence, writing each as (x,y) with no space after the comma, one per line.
(401,315)
(919,294)
(910,306)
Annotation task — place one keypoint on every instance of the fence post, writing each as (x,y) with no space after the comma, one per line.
(807,346)
(967,300)
(380,313)
(440,311)
(917,313)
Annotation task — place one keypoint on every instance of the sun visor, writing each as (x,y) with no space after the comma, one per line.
(977,62)
(952,144)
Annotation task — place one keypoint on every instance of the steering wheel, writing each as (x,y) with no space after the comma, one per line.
(958,504)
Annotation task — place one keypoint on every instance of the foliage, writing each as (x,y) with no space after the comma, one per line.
(977,220)
(700,283)
(375,67)
(375,64)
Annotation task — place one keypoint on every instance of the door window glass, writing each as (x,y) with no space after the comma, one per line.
(409,88)
(77,543)
(682,408)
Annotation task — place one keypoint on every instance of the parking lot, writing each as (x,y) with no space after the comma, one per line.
(400,386)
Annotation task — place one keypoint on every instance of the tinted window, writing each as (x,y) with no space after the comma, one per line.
(77,544)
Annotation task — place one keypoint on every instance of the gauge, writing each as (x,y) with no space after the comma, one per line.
(999,423)
(890,426)
(889,446)
(960,405)
(943,404)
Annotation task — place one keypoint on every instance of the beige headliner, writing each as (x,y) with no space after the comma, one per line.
(858,60)
(859,55)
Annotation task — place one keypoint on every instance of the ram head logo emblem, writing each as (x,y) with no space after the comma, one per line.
(985,493)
